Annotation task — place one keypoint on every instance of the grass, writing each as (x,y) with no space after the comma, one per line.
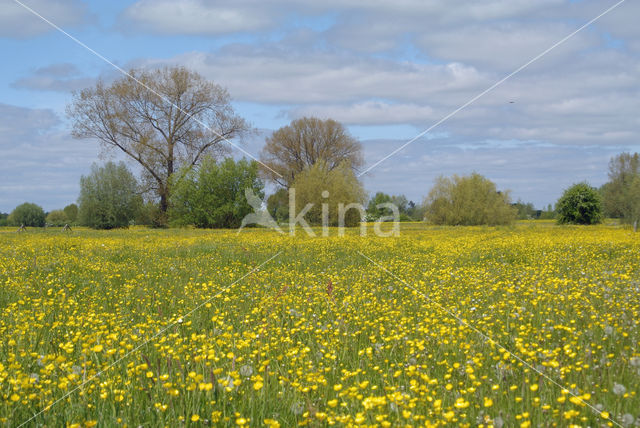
(319,335)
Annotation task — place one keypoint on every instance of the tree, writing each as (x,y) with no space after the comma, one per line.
(373,212)
(620,195)
(163,119)
(548,214)
(319,184)
(27,214)
(3,219)
(213,194)
(470,200)
(57,218)
(633,213)
(109,197)
(71,212)
(405,207)
(299,145)
(526,211)
(415,212)
(278,204)
(579,204)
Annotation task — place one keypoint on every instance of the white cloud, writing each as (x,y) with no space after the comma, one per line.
(198,16)
(585,98)
(505,45)
(273,75)
(60,77)
(40,163)
(368,113)
(18,22)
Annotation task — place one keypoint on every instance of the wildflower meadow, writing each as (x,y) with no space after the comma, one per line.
(530,325)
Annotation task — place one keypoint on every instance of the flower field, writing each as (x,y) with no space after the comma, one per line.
(535,325)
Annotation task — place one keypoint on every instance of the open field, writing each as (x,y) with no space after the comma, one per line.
(535,325)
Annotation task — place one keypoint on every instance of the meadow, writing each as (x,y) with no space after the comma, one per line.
(531,325)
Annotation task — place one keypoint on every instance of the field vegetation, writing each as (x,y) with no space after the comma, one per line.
(529,325)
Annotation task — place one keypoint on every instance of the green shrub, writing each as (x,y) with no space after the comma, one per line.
(579,204)
(343,187)
(57,218)
(27,214)
(213,194)
(467,201)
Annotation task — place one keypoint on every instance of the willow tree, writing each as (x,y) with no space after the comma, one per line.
(163,119)
(467,201)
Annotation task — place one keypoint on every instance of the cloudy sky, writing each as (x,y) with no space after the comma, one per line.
(387,69)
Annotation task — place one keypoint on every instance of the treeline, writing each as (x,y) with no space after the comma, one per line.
(214,195)
(29,214)
(178,135)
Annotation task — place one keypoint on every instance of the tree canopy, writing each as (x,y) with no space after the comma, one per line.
(213,195)
(319,184)
(162,119)
(109,197)
(57,218)
(468,200)
(579,204)
(27,214)
(299,145)
(621,195)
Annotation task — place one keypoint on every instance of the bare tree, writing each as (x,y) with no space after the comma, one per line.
(163,119)
(301,144)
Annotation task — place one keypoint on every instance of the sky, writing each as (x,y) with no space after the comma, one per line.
(388,70)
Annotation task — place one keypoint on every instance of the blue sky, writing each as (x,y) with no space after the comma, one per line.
(387,70)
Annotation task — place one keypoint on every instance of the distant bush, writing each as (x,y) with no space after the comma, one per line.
(3,219)
(71,212)
(27,214)
(108,197)
(57,218)
(579,204)
(466,201)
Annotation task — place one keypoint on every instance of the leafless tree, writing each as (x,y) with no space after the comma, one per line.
(292,148)
(163,119)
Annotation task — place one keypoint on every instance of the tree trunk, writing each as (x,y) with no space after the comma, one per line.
(164,203)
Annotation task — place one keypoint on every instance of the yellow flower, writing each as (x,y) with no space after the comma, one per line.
(488,402)
(97,348)
(195,418)
(534,387)
(337,387)
(257,386)
(332,403)
(461,403)
(15,397)
(604,415)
